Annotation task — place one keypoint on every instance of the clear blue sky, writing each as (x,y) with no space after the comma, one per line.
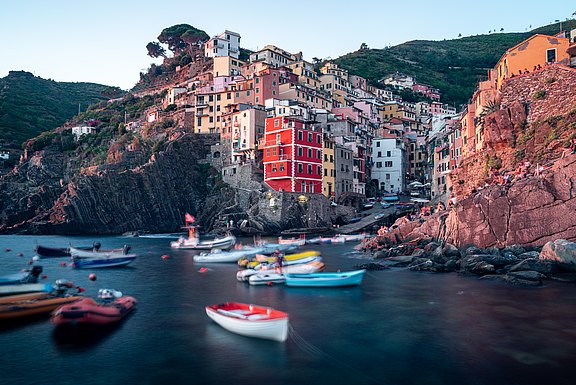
(104,41)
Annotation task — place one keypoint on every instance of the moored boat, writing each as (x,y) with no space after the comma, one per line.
(22,288)
(55,252)
(289,259)
(292,241)
(303,268)
(24,276)
(266,279)
(25,305)
(325,279)
(250,320)
(111,308)
(217,255)
(196,243)
(354,237)
(97,253)
(104,261)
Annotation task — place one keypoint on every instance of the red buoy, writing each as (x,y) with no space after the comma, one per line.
(8,249)
(92,277)
(80,289)
(44,276)
(269,283)
(165,257)
(63,264)
(20,254)
(203,270)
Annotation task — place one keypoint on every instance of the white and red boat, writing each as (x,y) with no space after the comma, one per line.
(250,320)
(111,308)
(292,241)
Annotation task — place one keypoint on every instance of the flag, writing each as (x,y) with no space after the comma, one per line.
(189,218)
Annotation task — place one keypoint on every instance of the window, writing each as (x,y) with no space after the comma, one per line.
(211,120)
(319,154)
(229,95)
(387,176)
(300,135)
(388,154)
(377,144)
(218,97)
(257,90)
(309,169)
(257,81)
(551,55)
(325,172)
(299,151)
(237,94)
(281,166)
(300,167)
(309,153)
(317,138)
(199,121)
(379,154)
(325,157)
(388,164)
(278,139)
(378,164)
(276,122)
(310,137)
(319,170)
(267,152)
(210,98)
(274,169)
(274,151)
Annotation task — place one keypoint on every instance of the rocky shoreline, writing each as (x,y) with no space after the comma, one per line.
(518,265)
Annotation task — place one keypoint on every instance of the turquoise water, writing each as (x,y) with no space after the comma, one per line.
(398,327)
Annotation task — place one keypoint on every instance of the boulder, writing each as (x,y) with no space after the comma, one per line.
(371,266)
(525,278)
(438,255)
(451,251)
(418,253)
(514,249)
(535,264)
(482,268)
(400,260)
(561,251)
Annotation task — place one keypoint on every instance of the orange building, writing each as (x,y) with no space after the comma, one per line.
(529,54)
(292,155)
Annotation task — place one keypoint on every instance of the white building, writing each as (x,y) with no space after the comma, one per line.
(389,156)
(225,44)
(82,130)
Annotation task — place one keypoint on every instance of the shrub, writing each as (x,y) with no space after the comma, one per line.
(540,94)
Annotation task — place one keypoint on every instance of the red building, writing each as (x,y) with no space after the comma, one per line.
(292,155)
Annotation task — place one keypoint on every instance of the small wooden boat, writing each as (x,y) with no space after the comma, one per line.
(111,308)
(22,288)
(104,261)
(266,279)
(292,241)
(250,320)
(196,243)
(335,279)
(24,276)
(217,255)
(25,305)
(290,259)
(303,268)
(354,237)
(55,252)
(97,253)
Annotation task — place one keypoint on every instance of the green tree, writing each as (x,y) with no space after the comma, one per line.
(155,49)
(172,36)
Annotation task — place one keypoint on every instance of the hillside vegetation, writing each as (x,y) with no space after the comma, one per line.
(30,105)
(453,66)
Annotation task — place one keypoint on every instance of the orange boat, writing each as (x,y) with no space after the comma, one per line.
(31,304)
(111,308)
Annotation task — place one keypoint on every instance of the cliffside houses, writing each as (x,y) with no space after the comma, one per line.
(326,131)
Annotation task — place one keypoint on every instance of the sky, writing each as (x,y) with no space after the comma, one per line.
(105,41)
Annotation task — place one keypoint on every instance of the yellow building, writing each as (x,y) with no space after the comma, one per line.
(227,66)
(329,173)
(306,74)
(537,50)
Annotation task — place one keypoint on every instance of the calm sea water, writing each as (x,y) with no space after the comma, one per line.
(398,327)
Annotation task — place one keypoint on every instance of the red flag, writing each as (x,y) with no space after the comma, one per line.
(189,218)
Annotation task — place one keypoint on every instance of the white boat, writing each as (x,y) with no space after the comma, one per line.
(266,279)
(292,241)
(270,265)
(250,320)
(23,288)
(304,268)
(217,255)
(196,243)
(289,259)
(96,253)
(354,237)
(270,248)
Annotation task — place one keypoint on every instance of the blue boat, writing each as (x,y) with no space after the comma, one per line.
(328,279)
(95,263)
(26,276)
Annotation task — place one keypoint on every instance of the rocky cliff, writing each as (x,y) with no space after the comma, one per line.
(48,195)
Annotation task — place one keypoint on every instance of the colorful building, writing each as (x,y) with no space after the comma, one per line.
(225,44)
(329,176)
(292,155)
(537,50)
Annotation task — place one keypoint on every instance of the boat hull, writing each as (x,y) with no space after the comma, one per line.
(24,288)
(193,244)
(304,268)
(227,256)
(96,263)
(250,320)
(266,279)
(349,278)
(88,311)
(81,253)
(27,305)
